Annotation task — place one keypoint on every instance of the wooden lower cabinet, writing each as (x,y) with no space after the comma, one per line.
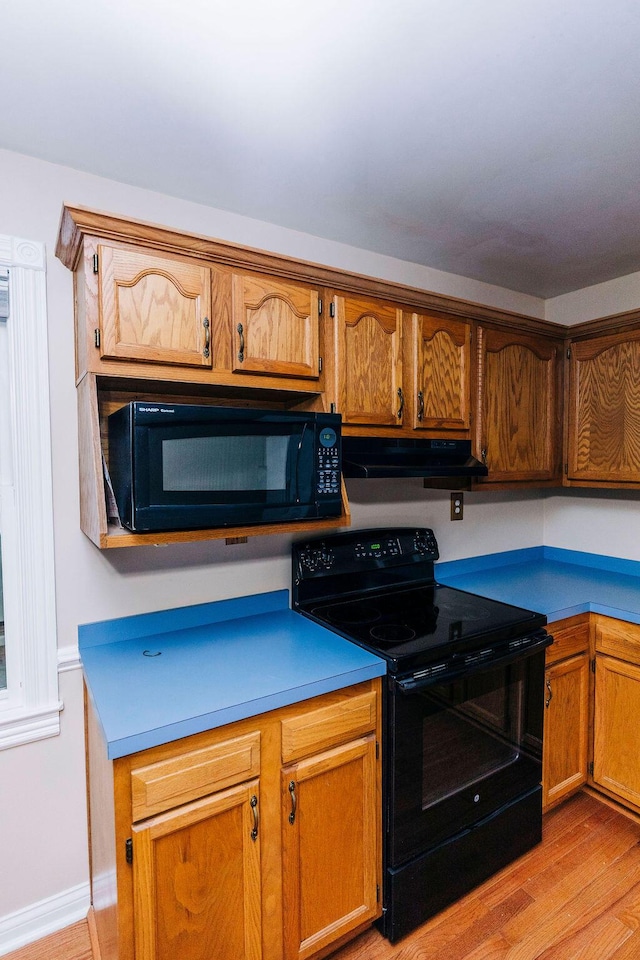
(197,880)
(566,716)
(616,731)
(329,846)
(592,702)
(260,840)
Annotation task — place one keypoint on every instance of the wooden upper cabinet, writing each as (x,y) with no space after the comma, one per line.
(368,362)
(604,409)
(442,373)
(519,428)
(153,308)
(275,327)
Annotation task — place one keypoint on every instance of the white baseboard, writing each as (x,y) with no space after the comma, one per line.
(40,919)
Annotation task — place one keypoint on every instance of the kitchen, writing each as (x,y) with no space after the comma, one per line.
(43,783)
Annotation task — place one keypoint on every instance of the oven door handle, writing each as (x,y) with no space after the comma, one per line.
(415,684)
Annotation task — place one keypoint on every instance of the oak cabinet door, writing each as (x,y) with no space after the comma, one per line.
(519,426)
(197,883)
(566,728)
(604,409)
(442,373)
(275,327)
(153,308)
(330,824)
(616,736)
(368,362)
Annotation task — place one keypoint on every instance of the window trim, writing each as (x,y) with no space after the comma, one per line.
(31,709)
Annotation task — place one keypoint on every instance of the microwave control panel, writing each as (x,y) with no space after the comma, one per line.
(328,458)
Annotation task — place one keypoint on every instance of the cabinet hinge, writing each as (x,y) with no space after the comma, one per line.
(377,750)
(332,310)
(129,850)
(593,665)
(319,306)
(377,893)
(568,353)
(566,468)
(95,263)
(319,364)
(96,336)
(591,768)
(332,408)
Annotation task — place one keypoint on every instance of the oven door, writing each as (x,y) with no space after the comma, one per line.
(459,750)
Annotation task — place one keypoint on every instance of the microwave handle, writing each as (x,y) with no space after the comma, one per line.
(298,456)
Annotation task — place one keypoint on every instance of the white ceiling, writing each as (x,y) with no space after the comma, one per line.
(497,139)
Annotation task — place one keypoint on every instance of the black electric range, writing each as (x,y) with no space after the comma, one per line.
(462,712)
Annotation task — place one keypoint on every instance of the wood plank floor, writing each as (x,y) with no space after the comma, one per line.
(576,896)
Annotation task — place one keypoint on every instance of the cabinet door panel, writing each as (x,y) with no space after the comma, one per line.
(604,409)
(154,308)
(275,327)
(197,880)
(566,727)
(519,428)
(616,747)
(330,851)
(442,376)
(369,362)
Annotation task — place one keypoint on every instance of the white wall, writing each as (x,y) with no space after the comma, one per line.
(42,819)
(600,300)
(603,521)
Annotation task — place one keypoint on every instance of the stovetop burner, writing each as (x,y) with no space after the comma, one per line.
(392,633)
(350,613)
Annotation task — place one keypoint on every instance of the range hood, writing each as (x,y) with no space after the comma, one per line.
(405,457)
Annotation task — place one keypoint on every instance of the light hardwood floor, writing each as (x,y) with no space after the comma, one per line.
(576,896)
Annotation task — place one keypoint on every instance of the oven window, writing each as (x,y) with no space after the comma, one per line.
(470,729)
(460,751)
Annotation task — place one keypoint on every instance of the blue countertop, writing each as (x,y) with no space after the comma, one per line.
(157,677)
(559,583)
(161,676)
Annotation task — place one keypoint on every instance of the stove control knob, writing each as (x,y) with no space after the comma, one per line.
(327,557)
(425,544)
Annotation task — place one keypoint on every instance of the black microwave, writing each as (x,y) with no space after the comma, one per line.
(190,466)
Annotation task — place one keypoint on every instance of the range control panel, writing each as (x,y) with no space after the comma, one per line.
(356,551)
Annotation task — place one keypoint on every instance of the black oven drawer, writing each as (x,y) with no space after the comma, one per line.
(432,881)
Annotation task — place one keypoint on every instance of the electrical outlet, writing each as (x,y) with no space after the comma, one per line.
(457,506)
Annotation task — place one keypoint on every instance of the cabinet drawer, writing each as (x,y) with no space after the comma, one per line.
(327,726)
(569,638)
(618,639)
(169,783)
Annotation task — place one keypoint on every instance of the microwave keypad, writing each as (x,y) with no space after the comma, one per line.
(328,470)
